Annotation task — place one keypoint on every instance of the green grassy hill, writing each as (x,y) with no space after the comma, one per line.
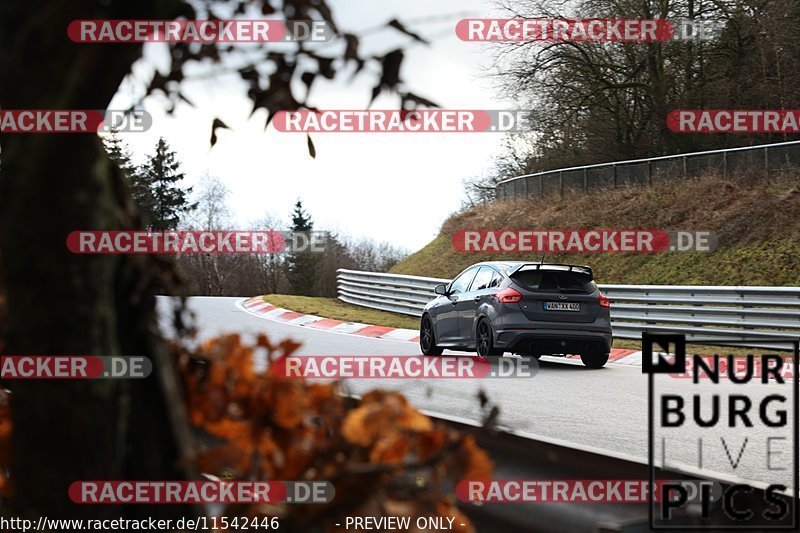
(758,227)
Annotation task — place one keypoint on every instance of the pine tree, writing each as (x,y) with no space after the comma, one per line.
(301,221)
(161,200)
(119,153)
(301,265)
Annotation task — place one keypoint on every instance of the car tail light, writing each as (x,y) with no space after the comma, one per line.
(604,301)
(509,296)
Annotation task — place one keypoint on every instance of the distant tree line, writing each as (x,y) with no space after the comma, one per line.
(598,102)
(165,205)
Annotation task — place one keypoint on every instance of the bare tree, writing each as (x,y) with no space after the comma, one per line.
(599,102)
(213,211)
(210,272)
(517,156)
(367,254)
(271,265)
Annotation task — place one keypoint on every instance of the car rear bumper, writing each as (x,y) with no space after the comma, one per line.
(553,341)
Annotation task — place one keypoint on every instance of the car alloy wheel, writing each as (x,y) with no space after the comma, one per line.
(427,338)
(484,339)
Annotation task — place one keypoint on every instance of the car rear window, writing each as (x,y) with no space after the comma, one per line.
(548,280)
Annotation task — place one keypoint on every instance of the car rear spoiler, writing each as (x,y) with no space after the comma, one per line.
(580,269)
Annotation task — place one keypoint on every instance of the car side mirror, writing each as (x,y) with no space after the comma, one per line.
(440,289)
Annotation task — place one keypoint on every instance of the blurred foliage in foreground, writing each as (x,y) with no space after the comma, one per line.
(383,456)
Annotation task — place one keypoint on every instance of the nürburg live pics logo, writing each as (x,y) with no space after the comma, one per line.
(733,425)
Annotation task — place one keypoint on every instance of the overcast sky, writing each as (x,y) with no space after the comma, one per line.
(388,187)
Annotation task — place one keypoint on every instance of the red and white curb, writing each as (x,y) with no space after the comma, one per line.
(258,307)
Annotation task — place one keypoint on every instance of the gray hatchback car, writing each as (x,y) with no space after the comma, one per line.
(531,309)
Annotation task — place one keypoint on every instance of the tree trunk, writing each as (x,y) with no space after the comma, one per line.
(64,304)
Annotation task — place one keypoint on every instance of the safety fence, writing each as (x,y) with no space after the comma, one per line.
(766,160)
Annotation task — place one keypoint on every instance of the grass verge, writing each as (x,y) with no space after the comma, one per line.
(338,310)
(756,223)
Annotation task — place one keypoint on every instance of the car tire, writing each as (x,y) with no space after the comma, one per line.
(594,359)
(427,337)
(484,340)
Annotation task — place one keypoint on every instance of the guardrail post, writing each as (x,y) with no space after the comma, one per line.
(650,173)
(685,168)
(615,175)
(561,184)
(585,179)
(766,163)
(525,183)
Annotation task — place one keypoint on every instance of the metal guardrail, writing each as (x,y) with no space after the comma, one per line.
(766,158)
(726,314)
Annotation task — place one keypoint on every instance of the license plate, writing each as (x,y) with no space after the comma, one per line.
(562,306)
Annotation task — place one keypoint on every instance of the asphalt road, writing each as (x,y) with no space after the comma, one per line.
(606,409)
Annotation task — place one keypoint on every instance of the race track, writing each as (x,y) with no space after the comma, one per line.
(604,409)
